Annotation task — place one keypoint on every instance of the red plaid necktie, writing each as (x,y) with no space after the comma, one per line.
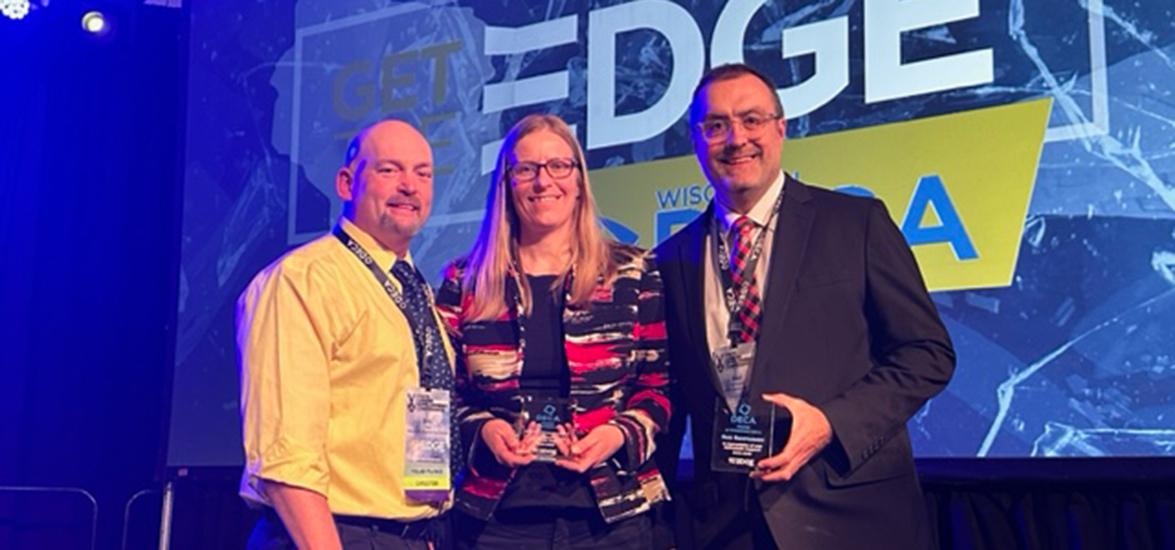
(750,310)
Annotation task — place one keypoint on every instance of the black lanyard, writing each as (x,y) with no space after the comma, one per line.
(732,296)
(421,338)
(364,257)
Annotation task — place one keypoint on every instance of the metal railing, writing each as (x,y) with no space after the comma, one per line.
(66,490)
(126,513)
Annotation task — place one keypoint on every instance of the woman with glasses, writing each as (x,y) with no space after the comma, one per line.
(561,370)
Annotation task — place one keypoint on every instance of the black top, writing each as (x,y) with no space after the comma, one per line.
(545,374)
(544,366)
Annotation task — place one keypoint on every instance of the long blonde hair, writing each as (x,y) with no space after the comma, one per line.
(495,252)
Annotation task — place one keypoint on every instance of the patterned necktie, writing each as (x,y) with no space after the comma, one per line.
(750,309)
(433,362)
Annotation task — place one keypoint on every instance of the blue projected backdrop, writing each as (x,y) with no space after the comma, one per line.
(1070,354)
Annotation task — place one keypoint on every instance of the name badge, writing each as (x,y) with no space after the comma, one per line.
(743,435)
(426,446)
(733,366)
(549,413)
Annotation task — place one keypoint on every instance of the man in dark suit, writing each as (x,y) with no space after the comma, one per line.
(819,295)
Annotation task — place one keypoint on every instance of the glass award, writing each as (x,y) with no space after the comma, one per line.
(742,436)
(549,413)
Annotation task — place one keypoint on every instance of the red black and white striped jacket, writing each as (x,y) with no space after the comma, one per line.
(616,355)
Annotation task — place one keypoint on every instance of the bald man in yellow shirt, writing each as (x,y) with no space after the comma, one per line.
(334,354)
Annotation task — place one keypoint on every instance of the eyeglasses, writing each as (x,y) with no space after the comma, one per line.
(528,171)
(718,128)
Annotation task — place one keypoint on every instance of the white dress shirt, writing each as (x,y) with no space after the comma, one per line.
(717,316)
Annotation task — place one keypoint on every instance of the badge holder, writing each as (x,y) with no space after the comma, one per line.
(426,447)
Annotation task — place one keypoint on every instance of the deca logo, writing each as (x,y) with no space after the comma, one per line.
(930,196)
(742,416)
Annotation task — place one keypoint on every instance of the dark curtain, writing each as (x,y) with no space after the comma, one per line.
(89,142)
(1074,515)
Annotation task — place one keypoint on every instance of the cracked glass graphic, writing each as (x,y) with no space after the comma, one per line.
(1074,358)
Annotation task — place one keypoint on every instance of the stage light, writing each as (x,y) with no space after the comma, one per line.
(94,22)
(14,9)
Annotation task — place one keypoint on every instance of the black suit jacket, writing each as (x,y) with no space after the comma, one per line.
(847,326)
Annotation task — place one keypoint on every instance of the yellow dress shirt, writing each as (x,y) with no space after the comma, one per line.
(326,362)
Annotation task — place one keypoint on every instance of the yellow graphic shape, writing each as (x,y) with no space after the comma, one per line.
(985,159)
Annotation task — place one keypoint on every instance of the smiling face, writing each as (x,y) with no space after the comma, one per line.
(742,164)
(388,184)
(546,203)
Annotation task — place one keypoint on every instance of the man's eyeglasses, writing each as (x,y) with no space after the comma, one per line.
(718,128)
(528,171)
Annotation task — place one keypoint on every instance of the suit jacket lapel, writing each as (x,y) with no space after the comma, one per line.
(693,257)
(787,255)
